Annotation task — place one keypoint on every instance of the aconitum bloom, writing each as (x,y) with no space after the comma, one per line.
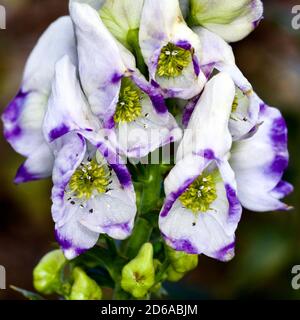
(92,190)
(23,117)
(201,211)
(172,51)
(129,107)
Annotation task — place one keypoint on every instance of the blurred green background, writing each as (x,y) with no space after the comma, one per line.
(268,244)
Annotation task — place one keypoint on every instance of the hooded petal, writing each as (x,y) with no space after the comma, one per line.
(232,20)
(170,27)
(259,163)
(122,16)
(68,109)
(208,126)
(216,53)
(100,66)
(24,116)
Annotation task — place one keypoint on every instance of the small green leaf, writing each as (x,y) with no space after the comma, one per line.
(27,294)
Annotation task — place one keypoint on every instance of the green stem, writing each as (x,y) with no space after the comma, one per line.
(141,233)
(133,41)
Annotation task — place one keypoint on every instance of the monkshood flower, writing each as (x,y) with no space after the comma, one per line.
(92,189)
(171,49)
(260,161)
(232,20)
(23,117)
(201,210)
(259,154)
(132,110)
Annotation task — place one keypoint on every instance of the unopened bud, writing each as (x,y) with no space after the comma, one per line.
(84,288)
(173,275)
(47,274)
(138,276)
(180,261)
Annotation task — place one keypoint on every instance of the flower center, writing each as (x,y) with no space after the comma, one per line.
(235,104)
(172,61)
(200,194)
(89,177)
(129,106)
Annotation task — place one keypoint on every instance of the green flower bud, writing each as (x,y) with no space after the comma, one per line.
(138,276)
(180,261)
(173,275)
(84,288)
(47,274)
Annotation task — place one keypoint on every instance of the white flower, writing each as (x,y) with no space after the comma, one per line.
(201,211)
(92,189)
(171,49)
(131,109)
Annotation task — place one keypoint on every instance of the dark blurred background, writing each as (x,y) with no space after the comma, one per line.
(268,244)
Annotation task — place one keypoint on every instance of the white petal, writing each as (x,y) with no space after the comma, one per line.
(73,238)
(113,214)
(216,53)
(259,163)
(232,20)
(38,165)
(100,65)
(67,108)
(57,41)
(23,117)
(208,126)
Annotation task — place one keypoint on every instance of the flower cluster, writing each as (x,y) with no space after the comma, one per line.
(100,88)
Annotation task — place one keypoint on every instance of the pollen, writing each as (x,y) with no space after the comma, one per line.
(90,177)
(129,106)
(200,194)
(172,61)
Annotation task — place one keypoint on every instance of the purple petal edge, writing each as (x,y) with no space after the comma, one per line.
(11,116)
(23,175)
(58,132)
(181,245)
(66,244)
(222,253)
